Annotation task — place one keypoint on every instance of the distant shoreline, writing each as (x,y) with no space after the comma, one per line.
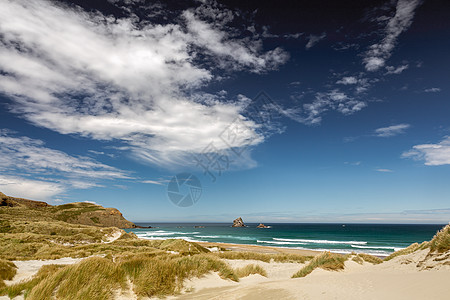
(258,248)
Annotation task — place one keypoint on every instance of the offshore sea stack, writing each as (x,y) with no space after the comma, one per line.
(238,223)
(261,225)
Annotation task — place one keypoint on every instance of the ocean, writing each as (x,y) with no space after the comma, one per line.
(375,239)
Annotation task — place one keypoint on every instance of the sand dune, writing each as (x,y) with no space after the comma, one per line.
(400,278)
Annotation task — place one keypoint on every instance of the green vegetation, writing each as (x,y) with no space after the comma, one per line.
(5,226)
(95,219)
(441,241)
(14,209)
(27,246)
(326,261)
(263,256)
(250,269)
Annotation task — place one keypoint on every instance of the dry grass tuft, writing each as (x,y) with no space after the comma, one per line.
(363,257)
(326,261)
(358,259)
(250,269)
(410,249)
(17,289)
(92,278)
(161,276)
(7,271)
(441,241)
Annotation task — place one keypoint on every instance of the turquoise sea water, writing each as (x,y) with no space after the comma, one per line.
(375,239)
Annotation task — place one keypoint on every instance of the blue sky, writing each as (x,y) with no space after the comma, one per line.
(108,101)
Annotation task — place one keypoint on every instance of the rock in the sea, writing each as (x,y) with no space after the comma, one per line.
(238,223)
(261,225)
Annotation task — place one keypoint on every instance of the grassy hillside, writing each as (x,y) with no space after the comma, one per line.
(75,213)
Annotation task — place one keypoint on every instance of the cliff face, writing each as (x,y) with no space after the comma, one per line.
(75,213)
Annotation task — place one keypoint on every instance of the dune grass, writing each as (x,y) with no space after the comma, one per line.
(98,278)
(358,259)
(326,261)
(408,250)
(27,246)
(7,271)
(441,241)
(363,257)
(370,258)
(165,275)
(263,256)
(25,287)
(250,269)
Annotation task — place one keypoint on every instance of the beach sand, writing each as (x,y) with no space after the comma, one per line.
(399,278)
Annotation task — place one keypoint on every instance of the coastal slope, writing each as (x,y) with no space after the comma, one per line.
(83,213)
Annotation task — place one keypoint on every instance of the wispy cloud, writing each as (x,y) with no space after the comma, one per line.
(432,90)
(314,39)
(348,80)
(375,58)
(311,113)
(392,130)
(157,182)
(396,70)
(85,73)
(384,170)
(54,170)
(433,154)
(32,155)
(29,188)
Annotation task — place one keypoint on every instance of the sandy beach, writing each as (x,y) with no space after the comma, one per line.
(399,278)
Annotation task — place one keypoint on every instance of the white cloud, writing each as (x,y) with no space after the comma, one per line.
(433,154)
(114,79)
(432,90)
(348,80)
(391,130)
(54,171)
(23,153)
(384,170)
(31,189)
(378,53)
(311,113)
(154,182)
(394,70)
(314,39)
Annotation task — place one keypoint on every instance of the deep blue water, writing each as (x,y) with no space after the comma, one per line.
(376,239)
